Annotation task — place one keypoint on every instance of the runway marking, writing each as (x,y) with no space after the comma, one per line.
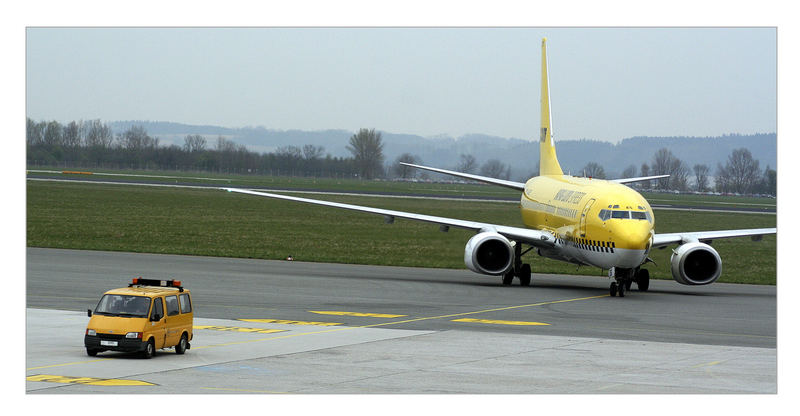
(489,321)
(244,390)
(552,302)
(361,314)
(281,321)
(87,380)
(707,364)
(292,335)
(239,329)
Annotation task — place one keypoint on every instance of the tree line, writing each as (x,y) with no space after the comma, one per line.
(92,143)
(740,174)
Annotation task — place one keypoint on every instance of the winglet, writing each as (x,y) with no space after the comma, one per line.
(548,162)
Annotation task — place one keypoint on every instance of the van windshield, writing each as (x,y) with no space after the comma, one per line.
(123,305)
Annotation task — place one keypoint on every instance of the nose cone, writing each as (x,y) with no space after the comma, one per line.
(633,242)
(634,235)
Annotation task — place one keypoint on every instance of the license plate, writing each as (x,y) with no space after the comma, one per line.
(108,343)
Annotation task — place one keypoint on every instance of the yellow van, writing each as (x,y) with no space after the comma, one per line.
(146,316)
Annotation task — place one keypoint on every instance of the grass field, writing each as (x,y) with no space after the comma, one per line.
(405,188)
(210,222)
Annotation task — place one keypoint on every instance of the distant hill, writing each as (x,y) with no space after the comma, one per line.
(521,155)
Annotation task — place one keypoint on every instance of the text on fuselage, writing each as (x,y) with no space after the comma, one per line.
(568,196)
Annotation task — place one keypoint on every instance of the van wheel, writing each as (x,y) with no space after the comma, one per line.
(149,350)
(181,347)
(91,353)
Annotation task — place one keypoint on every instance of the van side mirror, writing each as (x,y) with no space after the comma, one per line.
(89,313)
(155,317)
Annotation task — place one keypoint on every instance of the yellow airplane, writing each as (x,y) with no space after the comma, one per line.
(584,221)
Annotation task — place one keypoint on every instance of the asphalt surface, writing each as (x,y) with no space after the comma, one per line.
(446,329)
(223,288)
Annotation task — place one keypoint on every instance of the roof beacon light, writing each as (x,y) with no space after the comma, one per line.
(138,281)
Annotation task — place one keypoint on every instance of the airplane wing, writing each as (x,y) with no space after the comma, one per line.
(508,184)
(681,238)
(533,237)
(639,179)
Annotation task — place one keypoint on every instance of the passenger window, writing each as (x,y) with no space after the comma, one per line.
(158,310)
(186,303)
(172,305)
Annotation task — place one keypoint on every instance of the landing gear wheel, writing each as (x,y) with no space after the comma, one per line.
(613,289)
(181,347)
(621,290)
(643,280)
(525,275)
(508,278)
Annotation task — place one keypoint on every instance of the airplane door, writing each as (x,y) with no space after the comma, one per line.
(583,216)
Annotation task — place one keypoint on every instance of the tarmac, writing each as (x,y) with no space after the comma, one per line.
(271,327)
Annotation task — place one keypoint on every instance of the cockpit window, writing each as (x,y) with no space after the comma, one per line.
(620,214)
(638,215)
(604,214)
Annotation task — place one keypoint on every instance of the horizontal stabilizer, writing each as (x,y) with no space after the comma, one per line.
(500,182)
(639,179)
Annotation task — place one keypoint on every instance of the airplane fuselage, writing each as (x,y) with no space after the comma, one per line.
(595,222)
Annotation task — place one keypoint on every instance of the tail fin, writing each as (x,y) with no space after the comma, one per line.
(548,162)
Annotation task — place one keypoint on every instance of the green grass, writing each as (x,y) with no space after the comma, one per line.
(302,183)
(397,187)
(217,223)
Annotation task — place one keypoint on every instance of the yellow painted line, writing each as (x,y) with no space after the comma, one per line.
(292,335)
(707,364)
(244,390)
(65,364)
(489,321)
(238,329)
(281,321)
(87,380)
(506,308)
(370,315)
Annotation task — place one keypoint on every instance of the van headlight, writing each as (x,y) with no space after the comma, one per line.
(91,332)
(133,335)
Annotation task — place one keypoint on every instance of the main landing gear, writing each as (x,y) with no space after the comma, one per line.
(519,270)
(623,278)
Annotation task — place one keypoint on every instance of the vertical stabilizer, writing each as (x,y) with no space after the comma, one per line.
(548,163)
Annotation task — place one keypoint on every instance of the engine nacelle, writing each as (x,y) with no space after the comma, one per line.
(489,253)
(695,263)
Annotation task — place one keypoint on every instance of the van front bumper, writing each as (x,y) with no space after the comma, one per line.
(104,342)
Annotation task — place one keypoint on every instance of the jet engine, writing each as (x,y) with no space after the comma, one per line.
(489,253)
(695,263)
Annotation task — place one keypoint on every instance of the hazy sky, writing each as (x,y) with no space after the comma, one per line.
(606,84)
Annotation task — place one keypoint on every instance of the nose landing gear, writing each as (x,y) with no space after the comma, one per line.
(623,278)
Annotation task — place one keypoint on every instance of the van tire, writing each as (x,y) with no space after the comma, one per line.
(91,353)
(149,349)
(181,347)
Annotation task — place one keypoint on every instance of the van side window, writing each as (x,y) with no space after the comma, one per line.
(172,305)
(186,303)
(158,309)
